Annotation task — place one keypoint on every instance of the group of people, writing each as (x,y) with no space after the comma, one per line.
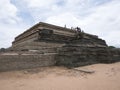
(78,29)
(79,32)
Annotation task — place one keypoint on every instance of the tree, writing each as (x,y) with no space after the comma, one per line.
(2,50)
(111,47)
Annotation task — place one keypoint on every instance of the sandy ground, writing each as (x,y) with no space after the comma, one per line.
(105,77)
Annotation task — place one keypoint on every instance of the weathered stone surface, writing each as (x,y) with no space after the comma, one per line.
(47,35)
(73,56)
(45,45)
(25,61)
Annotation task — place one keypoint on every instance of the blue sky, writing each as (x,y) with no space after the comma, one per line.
(99,17)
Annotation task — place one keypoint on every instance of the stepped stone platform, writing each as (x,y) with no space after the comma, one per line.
(74,56)
(47,45)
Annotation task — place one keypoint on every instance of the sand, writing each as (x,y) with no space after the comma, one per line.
(105,77)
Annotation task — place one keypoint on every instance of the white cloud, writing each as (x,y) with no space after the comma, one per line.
(9,32)
(8,12)
(39,3)
(9,23)
(64,19)
(7,35)
(104,21)
(96,17)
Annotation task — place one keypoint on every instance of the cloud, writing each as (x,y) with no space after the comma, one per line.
(8,12)
(104,21)
(63,19)
(100,17)
(8,17)
(39,3)
(9,32)
(10,23)
(7,35)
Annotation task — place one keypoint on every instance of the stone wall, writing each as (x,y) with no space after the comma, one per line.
(73,56)
(29,38)
(33,31)
(64,46)
(18,62)
(68,55)
(37,45)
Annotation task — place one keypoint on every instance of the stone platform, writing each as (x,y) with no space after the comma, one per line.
(47,45)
